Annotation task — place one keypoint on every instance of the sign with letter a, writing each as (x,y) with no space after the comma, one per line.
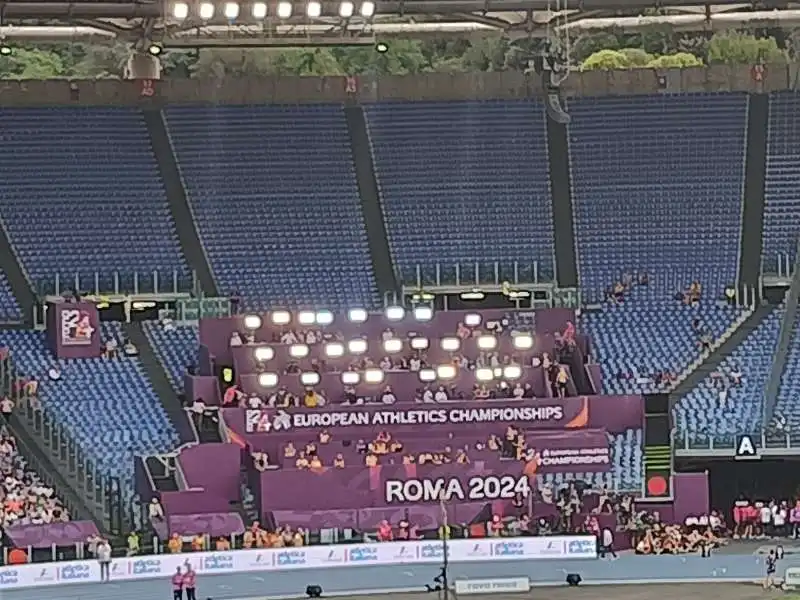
(73,329)
(746,447)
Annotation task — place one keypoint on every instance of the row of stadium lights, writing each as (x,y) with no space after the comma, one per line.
(376,376)
(283,10)
(359,346)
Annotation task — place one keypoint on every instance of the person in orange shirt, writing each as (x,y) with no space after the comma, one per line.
(198,543)
(223,545)
(175,544)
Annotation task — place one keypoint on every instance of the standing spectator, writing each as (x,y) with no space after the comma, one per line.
(794,518)
(6,407)
(607,543)
(133,543)
(104,558)
(177,585)
(189,581)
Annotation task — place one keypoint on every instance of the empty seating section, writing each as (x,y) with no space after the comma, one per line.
(176,349)
(88,179)
(782,203)
(657,186)
(464,182)
(704,415)
(788,404)
(276,203)
(9,309)
(638,338)
(106,405)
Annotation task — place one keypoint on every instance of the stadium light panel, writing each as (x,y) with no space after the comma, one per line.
(264,353)
(313,9)
(472,320)
(309,378)
(357,315)
(334,350)
(487,342)
(423,313)
(155,50)
(350,378)
(445,371)
(281,317)
(395,313)
(252,322)
(306,317)
(298,350)
(381,47)
(484,374)
(180,10)
(427,375)
(268,380)
(523,342)
(259,10)
(373,375)
(367,9)
(393,346)
(450,344)
(284,10)
(512,372)
(231,10)
(357,346)
(346,9)
(419,343)
(206,11)
(324,317)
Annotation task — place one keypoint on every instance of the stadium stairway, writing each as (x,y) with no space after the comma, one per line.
(159,381)
(713,360)
(180,210)
(17,279)
(377,239)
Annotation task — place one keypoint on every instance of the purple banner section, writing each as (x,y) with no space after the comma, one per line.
(213,468)
(189,502)
(73,329)
(214,524)
(44,536)
(215,333)
(204,387)
(570,451)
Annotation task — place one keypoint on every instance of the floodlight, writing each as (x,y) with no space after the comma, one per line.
(263,353)
(512,372)
(350,378)
(346,9)
(309,378)
(373,375)
(445,371)
(523,342)
(180,10)
(395,313)
(306,317)
(252,322)
(484,374)
(472,320)
(427,375)
(450,344)
(206,11)
(334,350)
(259,10)
(324,317)
(231,10)
(419,343)
(154,50)
(423,313)
(298,350)
(487,342)
(357,346)
(381,47)
(268,380)
(357,315)
(313,9)
(284,10)
(281,317)
(393,345)
(367,9)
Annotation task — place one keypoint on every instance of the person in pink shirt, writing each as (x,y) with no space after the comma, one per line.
(177,585)
(189,582)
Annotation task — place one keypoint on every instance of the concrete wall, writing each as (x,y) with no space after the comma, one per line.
(433,86)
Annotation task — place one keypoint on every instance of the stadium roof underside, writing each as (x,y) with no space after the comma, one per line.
(258,23)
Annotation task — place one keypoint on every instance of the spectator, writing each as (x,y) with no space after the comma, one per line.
(133,543)
(440,396)
(175,544)
(189,582)
(177,584)
(54,373)
(6,407)
(388,396)
(111,348)
(103,554)
(155,510)
(129,349)
(236,340)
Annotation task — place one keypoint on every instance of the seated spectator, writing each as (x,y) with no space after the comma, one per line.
(6,407)
(222,544)
(155,510)
(111,349)
(315,462)
(441,395)
(388,396)
(129,349)
(338,462)
(385,533)
(302,462)
(236,340)
(175,544)
(167,325)
(289,451)
(261,461)
(371,460)
(324,437)
(198,543)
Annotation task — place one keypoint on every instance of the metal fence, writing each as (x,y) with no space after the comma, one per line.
(117,283)
(475,274)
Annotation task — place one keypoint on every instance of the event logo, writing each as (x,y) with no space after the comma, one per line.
(552,548)
(585,547)
(432,551)
(75,573)
(9,577)
(508,549)
(218,562)
(145,566)
(45,575)
(479,550)
(76,328)
(363,554)
(335,556)
(479,488)
(262,560)
(405,553)
(291,558)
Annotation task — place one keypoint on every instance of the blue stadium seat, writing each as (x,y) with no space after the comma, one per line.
(657,187)
(782,203)
(701,415)
(175,349)
(464,183)
(88,179)
(107,406)
(9,309)
(277,206)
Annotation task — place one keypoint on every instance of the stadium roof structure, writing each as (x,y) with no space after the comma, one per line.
(281,23)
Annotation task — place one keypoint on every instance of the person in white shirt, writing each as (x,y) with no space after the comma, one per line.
(236,340)
(6,407)
(387,335)
(155,510)
(54,373)
(779,516)
(311,337)
(112,348)
(386,363)
(129,349)
(440,395)
(103,554)
(254,402)
(288,337)
(388,396)
(765,513)
(427,396)
(414,364)
(518,392)
(607,543)
(167,325)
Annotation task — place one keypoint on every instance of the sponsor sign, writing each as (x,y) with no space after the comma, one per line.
(211,563)
(791,577)
(492,586)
